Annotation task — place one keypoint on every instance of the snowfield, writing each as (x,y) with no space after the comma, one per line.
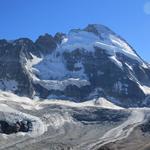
(28,103)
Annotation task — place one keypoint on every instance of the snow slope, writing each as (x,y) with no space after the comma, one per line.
(37,104)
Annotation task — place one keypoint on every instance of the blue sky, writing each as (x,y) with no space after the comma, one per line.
(31,18)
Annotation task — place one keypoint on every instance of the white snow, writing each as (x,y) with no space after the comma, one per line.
(51,72)
(25,102)
(112,50)
(145,89)
(57,120)
(102,102)
(35,60)
(52,67)
(64,40)
(37,104)
(120,43)
(61,85)
(144,65)
(129,66)
(78,39)
(116,61)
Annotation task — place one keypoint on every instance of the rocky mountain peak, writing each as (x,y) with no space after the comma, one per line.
(46,43)
(98,29)
(59,36)
(84,64)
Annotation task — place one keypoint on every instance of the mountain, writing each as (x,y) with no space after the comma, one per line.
(74,91)
(82,65)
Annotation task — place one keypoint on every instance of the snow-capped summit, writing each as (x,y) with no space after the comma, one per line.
(107,36)
(95,35)
(81,65)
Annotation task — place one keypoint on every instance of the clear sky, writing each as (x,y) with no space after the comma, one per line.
(31,18)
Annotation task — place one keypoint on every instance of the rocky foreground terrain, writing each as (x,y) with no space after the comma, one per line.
(84,90)
(57,125)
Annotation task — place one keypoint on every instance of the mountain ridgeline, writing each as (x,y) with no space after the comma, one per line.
(82,65)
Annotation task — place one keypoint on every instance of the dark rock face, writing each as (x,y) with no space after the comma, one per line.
(105,76)
(102,72)
(59,37)
(100,116)
(12,74)
(46,43)
(20,126)
(104,148)
(145,127)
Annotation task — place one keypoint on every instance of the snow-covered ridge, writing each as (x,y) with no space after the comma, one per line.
(37,104)
(106,39)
